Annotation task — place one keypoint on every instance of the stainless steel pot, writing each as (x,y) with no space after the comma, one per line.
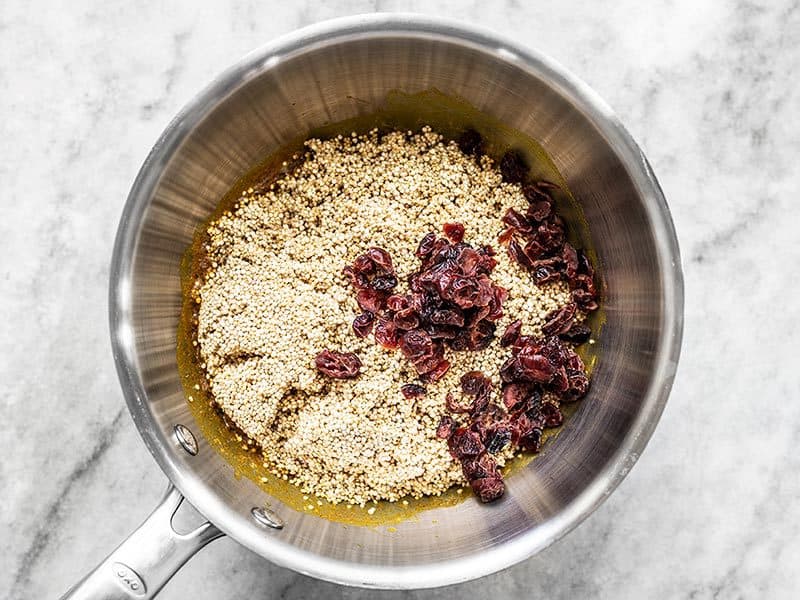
(331,72)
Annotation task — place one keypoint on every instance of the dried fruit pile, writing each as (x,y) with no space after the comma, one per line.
(536,365)
(487,429)
(451,301)
(536,240)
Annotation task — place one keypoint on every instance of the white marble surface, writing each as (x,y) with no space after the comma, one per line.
(712,509)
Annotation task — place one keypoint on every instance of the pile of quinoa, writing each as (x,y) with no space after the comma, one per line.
(275,296)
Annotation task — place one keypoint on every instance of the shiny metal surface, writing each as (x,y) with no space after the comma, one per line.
(266,517)
(339,70)
(186,438)
(147,559)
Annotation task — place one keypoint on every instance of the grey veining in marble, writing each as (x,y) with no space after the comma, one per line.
(712,509)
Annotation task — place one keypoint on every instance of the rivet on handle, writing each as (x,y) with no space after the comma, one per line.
(267,518)
(186,439)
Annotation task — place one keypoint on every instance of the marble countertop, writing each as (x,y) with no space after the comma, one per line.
(712,509)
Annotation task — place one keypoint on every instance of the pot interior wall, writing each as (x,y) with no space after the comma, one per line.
(288,95)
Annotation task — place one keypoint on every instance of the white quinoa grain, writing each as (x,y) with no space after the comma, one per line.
(275,297)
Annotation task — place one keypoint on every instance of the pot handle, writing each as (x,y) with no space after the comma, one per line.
(147,559)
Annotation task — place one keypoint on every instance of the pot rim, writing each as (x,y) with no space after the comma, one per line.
(486,561)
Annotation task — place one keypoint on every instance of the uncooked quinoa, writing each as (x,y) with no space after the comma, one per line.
(275,297)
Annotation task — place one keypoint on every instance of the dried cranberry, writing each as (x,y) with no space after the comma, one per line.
(370,300)
(569,257)
(426,245)
(432,363)
(515,395)
(487,251)
(534,192)
(533,400)
(533,251)
(578,386)
(585,300)
(470,262)
(510,371)
(386,334)
(460,342)
(551,414)
(481,335)
(560,319)
(499,439)
(442,251)
(475,383)
(574,362)
(545,274)
(550,235)
(499,296)
(406,319)
(578,333)
(521,397)
(480,426)
(446,427)
(583,282)
(416,344)
(537,368)
(506,235)
(373,276)
(412,390)
(555,350)
(471,142)
(381,258)
(384,283)
(584,264)
(362,324)
(454,231)
(516,220)
(488,489)
(464,443)
(554,262)
(453,406)
(487,420)
(397,303)
(443,332)
(452,316)
(436,373)
(529,366)
(521,425)
(479,467)
(539,211)
(531,441)
(559,383)
(584,292)
(518,255)
(338,365)
(364,264)
(357,279)
(513,167)
(511,333)
(464,292)
(522,341)
(480,404)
